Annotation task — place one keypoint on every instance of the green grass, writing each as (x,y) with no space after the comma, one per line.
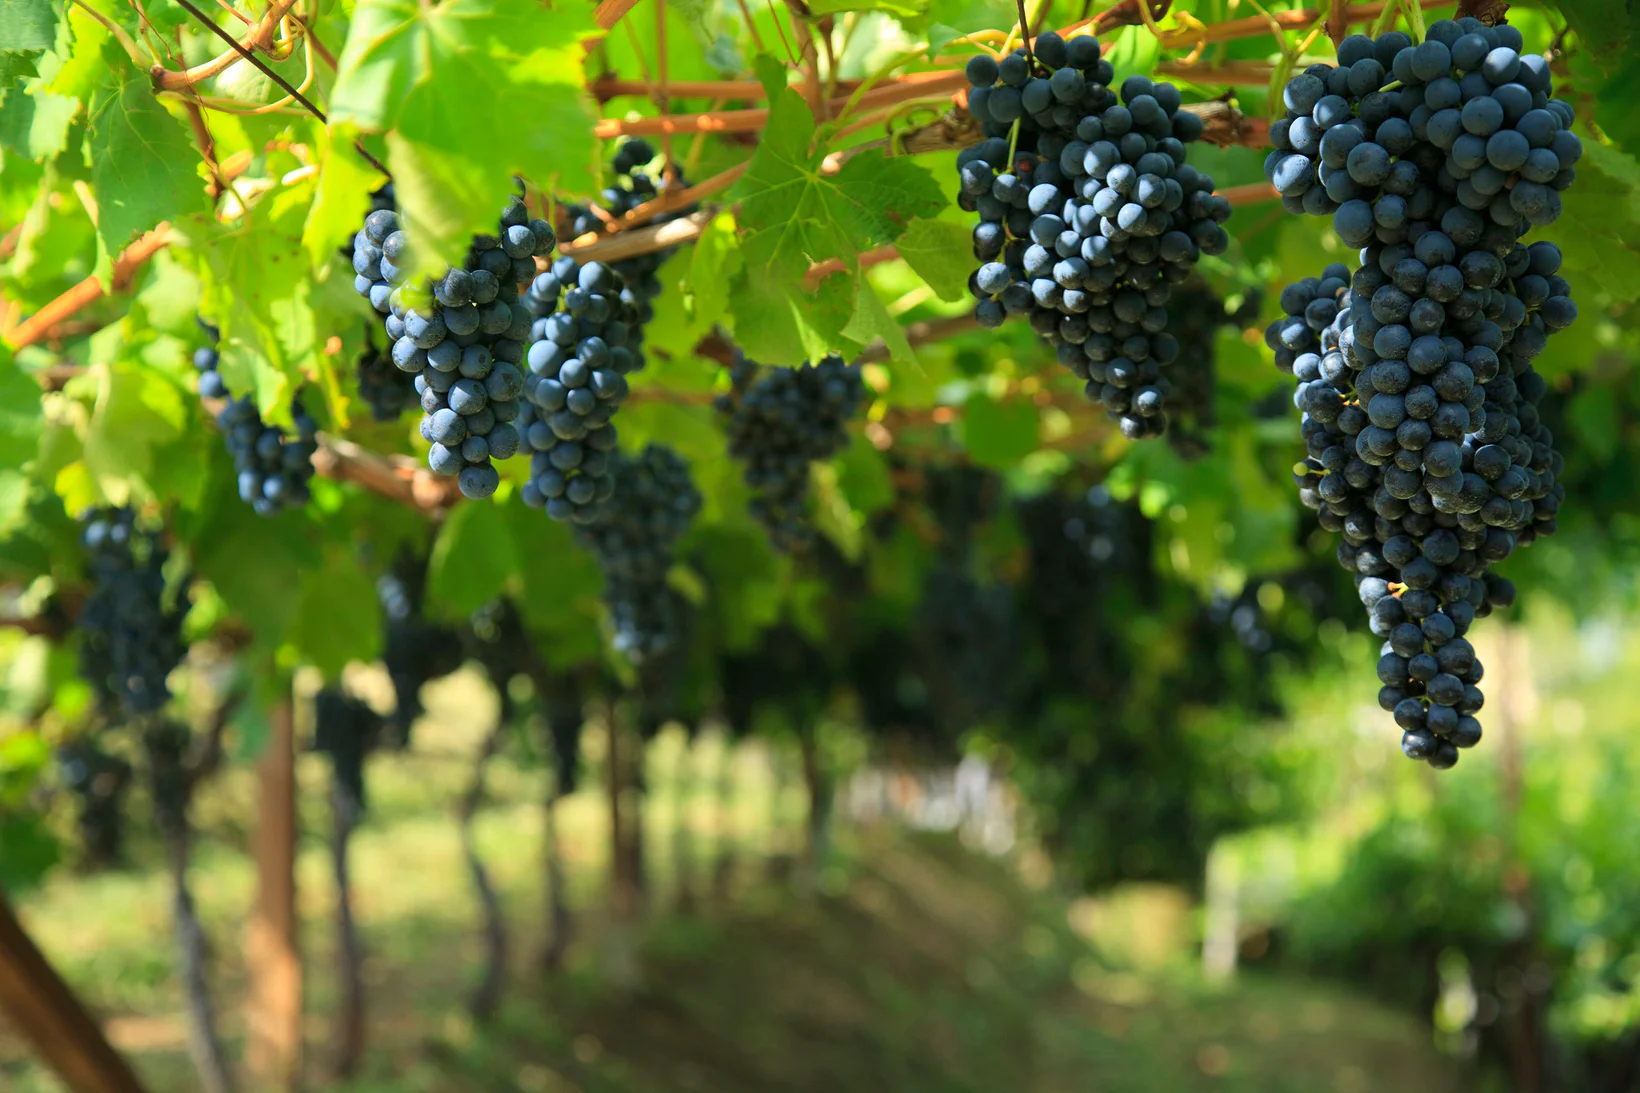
(912,965)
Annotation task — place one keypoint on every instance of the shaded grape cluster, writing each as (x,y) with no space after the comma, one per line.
(415,649)
(1198,315)
(1089,215)
(272,468)
(1415,377)
(99,780)
(633,542)
(460,335)
(130,633)
(346,730)
(778,421)
(386,390)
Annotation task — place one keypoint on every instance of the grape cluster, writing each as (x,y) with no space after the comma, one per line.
(633,542)
(386,390)
(130,637)
(1093,219)
(1469,140)
(1415,377)
(582,348)
(461,336)
(778,422)
(273,468)
(634,186)
(587,337)
(1428,506)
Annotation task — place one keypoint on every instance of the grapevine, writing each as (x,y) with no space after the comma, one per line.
(1089,215)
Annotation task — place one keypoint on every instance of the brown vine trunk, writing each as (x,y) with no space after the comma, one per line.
(560,924)
(350,1020)
(683,846)
(817,789)
(724,864)
(273,957)
(204,1045)
(620,940)
(486,998)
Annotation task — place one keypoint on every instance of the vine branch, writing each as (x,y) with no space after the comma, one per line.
(245,53)
(256,38)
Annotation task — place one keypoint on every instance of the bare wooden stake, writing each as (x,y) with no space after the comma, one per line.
(45,1010)
(273,1053)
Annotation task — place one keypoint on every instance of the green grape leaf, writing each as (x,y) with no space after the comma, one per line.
(34,122)
(20,413)
(833,516)
(775,326)
(16,67)
(998,434)
(872,321)
(345,184)
(137,410)
(469,93)
(942,253)
(862,475)
(473,559)
(256,563)
(337,614)
(900,9)
(142,164)
(713,262)
(794,215)
(558,587)
(257,290)
(1133,51)
(27,26)
(1602,209)
(1604,28)
(32,849)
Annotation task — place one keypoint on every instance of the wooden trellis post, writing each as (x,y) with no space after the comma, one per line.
(274,1012)
(42,1007)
